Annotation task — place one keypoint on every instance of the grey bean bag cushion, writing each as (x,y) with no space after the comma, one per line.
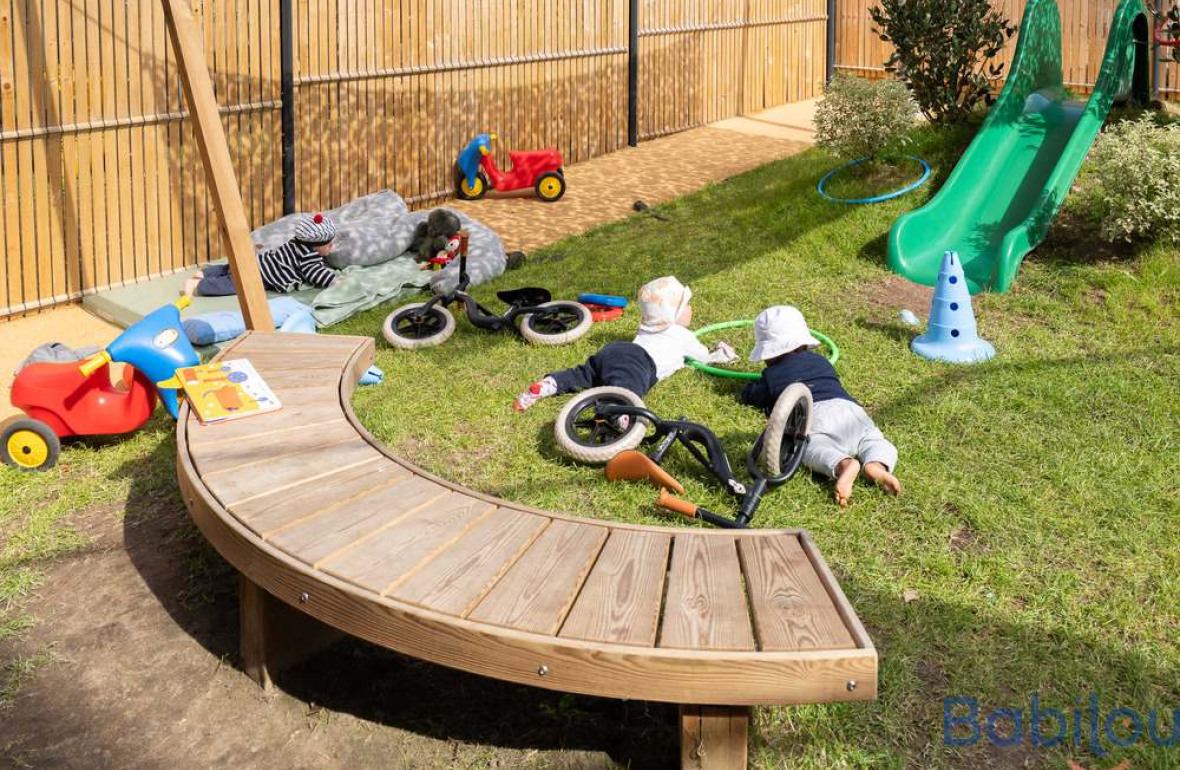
(379,227)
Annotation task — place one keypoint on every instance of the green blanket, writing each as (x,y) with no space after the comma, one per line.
(360,288)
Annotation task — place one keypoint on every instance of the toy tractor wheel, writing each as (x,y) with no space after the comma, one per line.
(550,186)
(588,437)
(471,192)
(28,445)
(413,326)
(786,433)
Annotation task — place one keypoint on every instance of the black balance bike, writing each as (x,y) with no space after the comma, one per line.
(531,313)
(605,425)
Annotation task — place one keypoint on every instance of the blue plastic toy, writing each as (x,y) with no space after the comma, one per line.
(606,300)
(950,334)
(157,346)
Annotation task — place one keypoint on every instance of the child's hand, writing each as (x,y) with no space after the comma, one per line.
(723,353)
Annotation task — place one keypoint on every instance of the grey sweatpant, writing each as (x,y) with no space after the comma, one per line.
(839,429)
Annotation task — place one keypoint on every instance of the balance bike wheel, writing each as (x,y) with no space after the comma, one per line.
(560,323)
(786,432)
(28,445)
(409,328)
(550,186)
(586,437)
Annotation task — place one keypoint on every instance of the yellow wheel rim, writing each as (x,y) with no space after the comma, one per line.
(550,187)
(473,190)
(28,449)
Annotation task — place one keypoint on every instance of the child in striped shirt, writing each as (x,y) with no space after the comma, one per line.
(298,261)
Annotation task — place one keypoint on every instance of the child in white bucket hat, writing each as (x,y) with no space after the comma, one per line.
(843,441)
(657,351)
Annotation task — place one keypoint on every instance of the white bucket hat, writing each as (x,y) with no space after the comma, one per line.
(778,330)
(661,302)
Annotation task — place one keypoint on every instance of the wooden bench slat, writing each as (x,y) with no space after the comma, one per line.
(235,485)
(620,602)
(705,606)
(791,608)
(339,529)
(266,514)
(390,555)
(281,380)
(540,588)
(273,432)
(246,453)
(456,579)
(310,362)
(264,343)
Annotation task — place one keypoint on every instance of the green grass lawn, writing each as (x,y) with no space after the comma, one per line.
(1033,552)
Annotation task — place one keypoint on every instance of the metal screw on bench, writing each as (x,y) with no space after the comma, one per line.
(304,597)
(851,685)
(543,670)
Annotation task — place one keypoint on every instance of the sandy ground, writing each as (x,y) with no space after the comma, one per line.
(140,629)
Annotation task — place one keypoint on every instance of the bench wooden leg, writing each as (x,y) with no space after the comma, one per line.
(713,737)
(275,635)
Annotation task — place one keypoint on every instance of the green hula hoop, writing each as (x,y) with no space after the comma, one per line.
(716,371)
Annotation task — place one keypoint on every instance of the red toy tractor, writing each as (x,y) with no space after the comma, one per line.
(81,398)
(476,171)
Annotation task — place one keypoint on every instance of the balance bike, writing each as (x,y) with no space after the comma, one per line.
(605,425)
(531,313)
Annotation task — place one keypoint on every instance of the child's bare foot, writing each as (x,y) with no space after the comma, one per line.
(846,471)
(190,284)
(880,475)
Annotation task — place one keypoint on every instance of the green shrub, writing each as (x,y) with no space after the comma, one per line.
(858,118)
(1130,185)
(942,49)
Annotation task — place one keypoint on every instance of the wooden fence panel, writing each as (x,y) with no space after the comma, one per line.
(706,60)
(1085,25)
(100,182)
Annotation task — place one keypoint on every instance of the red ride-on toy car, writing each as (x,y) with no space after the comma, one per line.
(476,171)
(80,399)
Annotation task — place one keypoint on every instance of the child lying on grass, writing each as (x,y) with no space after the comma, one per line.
(656,353)
(843,435)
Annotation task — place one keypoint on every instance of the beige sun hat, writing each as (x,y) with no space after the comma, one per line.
(661,302)
(778,330)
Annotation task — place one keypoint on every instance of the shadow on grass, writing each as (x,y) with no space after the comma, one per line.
(928,389)
(929,649)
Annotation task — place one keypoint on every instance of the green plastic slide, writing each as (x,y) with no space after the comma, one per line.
(997,203)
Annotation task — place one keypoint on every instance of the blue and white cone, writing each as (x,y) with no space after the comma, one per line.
(950,333)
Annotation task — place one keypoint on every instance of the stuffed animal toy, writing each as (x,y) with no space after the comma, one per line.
(432,236)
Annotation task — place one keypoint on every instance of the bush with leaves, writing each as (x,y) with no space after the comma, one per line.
(1130,185)
(859,118)
(943,50)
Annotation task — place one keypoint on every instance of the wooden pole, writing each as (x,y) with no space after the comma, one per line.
(219,171)
(714,737)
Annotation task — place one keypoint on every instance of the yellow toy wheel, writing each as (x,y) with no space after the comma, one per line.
(472,192)
(28,445)
(550,186)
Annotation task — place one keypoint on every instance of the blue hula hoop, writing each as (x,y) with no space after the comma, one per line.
(823,183)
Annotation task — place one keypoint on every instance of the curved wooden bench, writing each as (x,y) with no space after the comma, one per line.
(307,505)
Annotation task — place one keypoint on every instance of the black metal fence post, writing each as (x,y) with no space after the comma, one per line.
(1154,50)
(831,63)
(287,95)
(633,73)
